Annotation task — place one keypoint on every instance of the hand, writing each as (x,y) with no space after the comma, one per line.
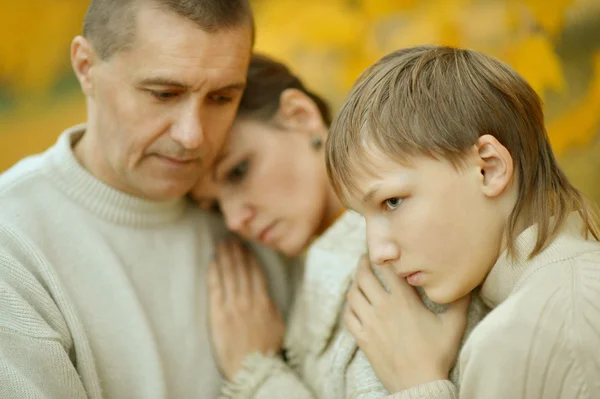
(243,318)
(406,344)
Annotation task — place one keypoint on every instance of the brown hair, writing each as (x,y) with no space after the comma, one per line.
(267,79)
(437,101)
(110,24)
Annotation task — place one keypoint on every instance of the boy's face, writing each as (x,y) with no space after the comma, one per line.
(431,219)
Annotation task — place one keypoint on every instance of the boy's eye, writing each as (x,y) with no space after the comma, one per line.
(392,203)
(238,172)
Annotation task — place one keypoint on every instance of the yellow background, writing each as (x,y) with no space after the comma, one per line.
(555,44)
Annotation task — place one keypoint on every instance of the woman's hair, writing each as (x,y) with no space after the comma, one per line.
(437,101)
(267,79)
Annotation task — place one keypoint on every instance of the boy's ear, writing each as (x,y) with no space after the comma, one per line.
(83,58)
(496,165)
(299,112)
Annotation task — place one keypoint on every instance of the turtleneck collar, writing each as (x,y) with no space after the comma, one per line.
(104,201)
(507,272)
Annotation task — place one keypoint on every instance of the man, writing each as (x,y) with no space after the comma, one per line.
(102,259)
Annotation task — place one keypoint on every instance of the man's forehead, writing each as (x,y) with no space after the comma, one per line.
(165,38)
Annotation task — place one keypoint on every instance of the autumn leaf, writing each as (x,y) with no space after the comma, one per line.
(36,36)
(578,124)
(535,59)
(375,9)
(550,14)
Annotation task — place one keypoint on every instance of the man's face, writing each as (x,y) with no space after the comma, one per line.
(160,111)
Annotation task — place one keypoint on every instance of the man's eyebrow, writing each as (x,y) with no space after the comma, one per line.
(162,82)
(174,83)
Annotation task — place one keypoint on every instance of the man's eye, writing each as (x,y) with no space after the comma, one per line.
(163,95)
(392,203)
(238,173)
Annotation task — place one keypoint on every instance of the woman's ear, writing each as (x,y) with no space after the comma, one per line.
(83,58)
(297,111)
(496,165)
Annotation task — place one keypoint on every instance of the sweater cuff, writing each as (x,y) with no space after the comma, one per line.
(440,389)
(256,368)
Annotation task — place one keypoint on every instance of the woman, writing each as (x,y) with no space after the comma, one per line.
(445,153)
(271,185)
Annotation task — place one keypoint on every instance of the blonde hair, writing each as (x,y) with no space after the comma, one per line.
(437,101)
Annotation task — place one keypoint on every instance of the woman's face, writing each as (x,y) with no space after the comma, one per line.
(271,185)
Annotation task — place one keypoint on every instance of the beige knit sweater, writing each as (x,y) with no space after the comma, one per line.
(103,294)
(325,361)
(542,338)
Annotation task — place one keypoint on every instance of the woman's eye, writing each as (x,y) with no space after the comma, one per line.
(221,99)
(238,173)
(392,203)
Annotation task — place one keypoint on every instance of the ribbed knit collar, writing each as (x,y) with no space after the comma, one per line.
(106,202)
(507,273)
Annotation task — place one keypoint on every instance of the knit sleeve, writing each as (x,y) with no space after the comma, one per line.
(442,389)
(265,377)
(34,345)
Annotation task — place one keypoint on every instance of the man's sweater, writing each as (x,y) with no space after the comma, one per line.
(103,294)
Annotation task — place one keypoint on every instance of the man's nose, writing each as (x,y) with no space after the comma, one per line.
(189,132)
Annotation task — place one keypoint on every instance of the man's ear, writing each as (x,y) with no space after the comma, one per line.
(496,165)
(83,58)
(299,112)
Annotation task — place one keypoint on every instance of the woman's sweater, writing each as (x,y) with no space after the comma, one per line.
(324,359)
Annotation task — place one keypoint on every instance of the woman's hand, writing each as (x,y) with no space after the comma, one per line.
(406,343)
(243,318)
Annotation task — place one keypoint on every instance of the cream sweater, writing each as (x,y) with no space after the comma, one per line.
(324,359)
(103,294)
(542,338)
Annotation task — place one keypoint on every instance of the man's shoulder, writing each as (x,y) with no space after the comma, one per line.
(21,176)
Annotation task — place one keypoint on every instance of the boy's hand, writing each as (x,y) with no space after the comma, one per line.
(406,343)
(243,318)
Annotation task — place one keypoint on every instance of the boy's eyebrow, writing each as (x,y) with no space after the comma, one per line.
(370,194)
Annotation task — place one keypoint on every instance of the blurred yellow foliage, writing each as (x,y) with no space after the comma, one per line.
(578,124)
(35,41)
(329,42)
(549,14)
(536,61)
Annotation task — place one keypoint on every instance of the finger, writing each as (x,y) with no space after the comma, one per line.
(241,266)
(454,319)
(353,323)
(358,303)
(228,273)
(368,282)
(257,274)
(215,289)
(398,285)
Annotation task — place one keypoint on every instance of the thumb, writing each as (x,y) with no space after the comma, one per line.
(454,318)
